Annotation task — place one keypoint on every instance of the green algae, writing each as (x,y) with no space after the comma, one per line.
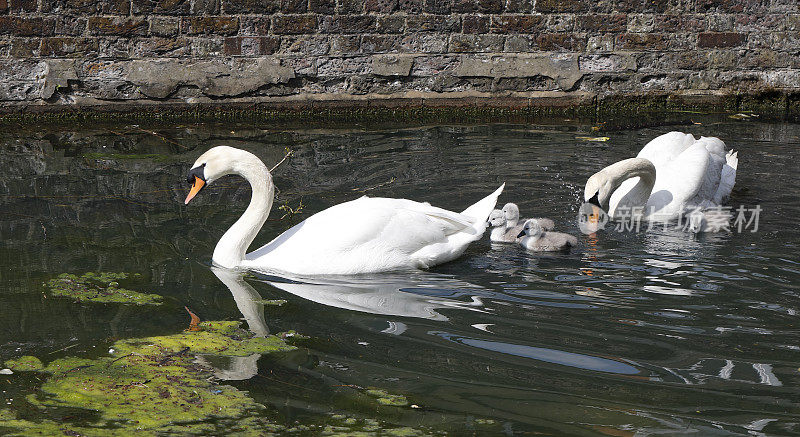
(155,386)
(99,287)
(385,398)
(213,338)
(24,364)
(151,385)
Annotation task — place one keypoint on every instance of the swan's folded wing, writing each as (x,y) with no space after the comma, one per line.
(663,149)
(680,181)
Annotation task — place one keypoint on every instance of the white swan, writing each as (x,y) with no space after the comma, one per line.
(533,237)
(366,235)
(672,174)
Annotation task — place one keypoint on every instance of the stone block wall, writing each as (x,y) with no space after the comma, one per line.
(57,54)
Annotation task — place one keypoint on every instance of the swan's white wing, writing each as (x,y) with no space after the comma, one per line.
(666,148)
(678,182)
(366,234)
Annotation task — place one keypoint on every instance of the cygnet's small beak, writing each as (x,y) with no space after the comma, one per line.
(521,234)
(196,187)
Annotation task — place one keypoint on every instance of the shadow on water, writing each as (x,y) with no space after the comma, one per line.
(649,332)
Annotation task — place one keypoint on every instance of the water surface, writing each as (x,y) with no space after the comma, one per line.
(651,332)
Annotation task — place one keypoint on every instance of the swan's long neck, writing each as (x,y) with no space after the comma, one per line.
(616,174)
(231,248)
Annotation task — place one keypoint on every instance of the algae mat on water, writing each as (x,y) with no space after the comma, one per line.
(99,287)
(155,385)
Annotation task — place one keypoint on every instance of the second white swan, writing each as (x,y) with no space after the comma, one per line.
(366,235)
(672,174)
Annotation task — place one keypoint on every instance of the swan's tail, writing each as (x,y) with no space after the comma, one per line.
(727,178)
(479,212)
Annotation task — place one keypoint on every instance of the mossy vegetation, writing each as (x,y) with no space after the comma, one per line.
(155,386)
(149,385)
(385,398)
(24,364)
(99,287)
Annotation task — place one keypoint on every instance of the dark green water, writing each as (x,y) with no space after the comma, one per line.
(652,332)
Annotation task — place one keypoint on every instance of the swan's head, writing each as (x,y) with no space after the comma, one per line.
(497,218)
(532,228)
(511,211)
(218,162)
(598,190)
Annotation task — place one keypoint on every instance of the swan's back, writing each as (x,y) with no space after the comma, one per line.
(372,234)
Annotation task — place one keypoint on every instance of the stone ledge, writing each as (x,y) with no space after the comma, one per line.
(413,106)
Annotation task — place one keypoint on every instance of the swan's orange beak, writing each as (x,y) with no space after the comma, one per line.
(196,186)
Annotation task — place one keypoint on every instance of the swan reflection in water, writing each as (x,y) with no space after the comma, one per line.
(407,294)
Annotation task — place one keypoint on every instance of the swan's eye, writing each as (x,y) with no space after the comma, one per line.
(198,171)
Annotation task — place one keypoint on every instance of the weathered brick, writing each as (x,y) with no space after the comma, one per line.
(600,43)
(207,47)
(113,47)
(410,6)
(424,43)
(157,47)
(476,43)
(679,23)
(557,42)
(258,25)
(546,6)
(294,24)
(351,7)
(518,6)
(162,7)
(433,23)
(251,45)
(19,26)
(310,45)
(211,25)
(70,26)
(69,47)
(720,39)
(759,23)
(164,26)
(390,24)
(380,43)
(344,44)
(22,5)
(251,6)
(642,41)
(490,6)
(516,23)
(475,24)
(437,6)
(205,7)
(601,23)
(25,48)
(348,24)
(560,22)
(322,6)
(294,6)
(117,26)
(520,43)
(464,6)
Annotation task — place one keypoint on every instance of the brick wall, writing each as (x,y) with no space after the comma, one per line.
(104,52)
